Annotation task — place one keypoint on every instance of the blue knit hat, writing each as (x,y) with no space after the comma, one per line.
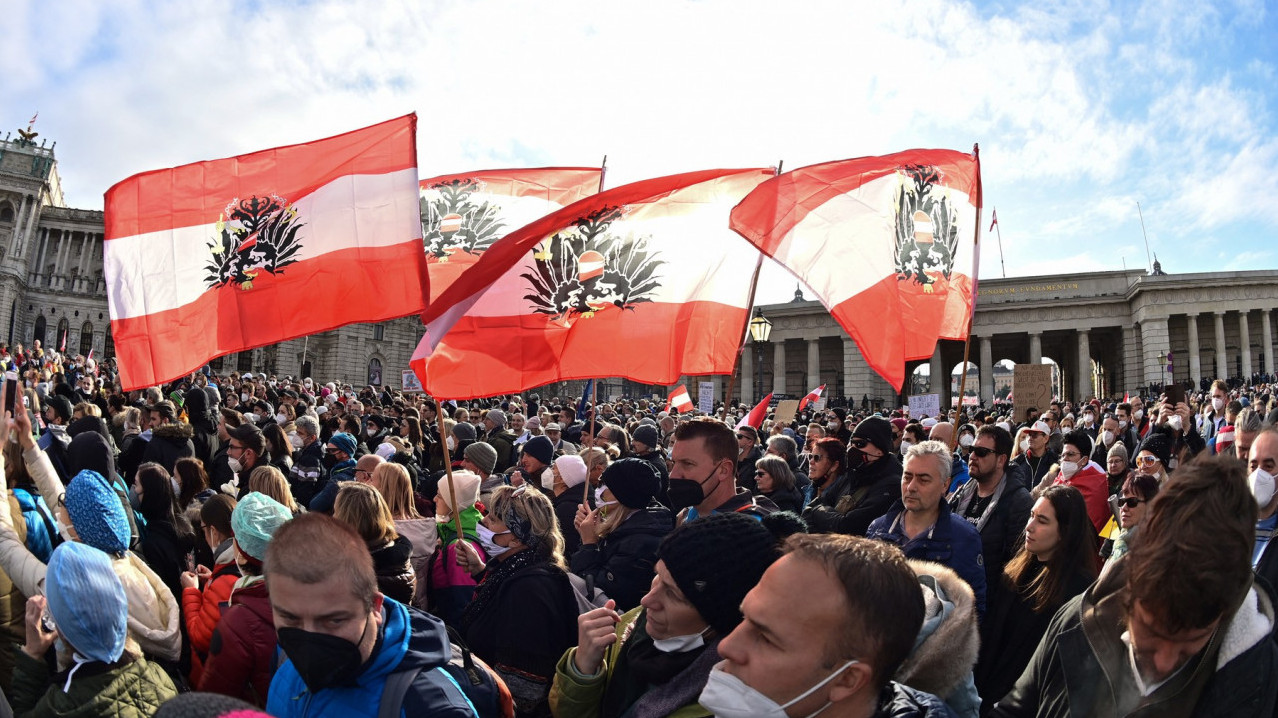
(344,443)
(87,601)
(96,513)
(255,520)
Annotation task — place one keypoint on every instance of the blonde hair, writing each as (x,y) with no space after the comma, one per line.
(535,508)
(594,456)
(362,508)
(87,409)
(396,489)
(270,481)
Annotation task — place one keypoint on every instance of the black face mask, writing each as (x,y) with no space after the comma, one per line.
(321,660)
(856,458)
(329,460)
(684,493)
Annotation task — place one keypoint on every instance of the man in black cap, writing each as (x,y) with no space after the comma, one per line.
(867,491)
(646,445)
(55,440)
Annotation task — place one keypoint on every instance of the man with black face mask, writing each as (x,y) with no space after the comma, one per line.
(350,648)
(703,475)
(867,491)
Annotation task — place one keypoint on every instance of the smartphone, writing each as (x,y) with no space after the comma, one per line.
(1175,394)
(10,390)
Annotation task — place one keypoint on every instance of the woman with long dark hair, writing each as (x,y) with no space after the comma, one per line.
(1056,563)
(169,545)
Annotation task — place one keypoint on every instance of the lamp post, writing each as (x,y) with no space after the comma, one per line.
(760,330)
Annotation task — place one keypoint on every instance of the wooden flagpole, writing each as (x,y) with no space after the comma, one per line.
(754,285)
(976,264)
(448,469)
(594,411)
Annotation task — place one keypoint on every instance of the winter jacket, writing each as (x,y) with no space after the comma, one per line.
(1081,667)
(241,658)
(787,499)
(948,642)
(38,521)
(424,536)
(951,541)
(1036,469)
(504,442)
(203,425)
(566,510)
(451,587)
(1002,526)
(745,469)
(202,609)
(855,499)
(410,639)
(573,695)
(13,608)
(324,499)
(307,476)
(395,575)
(622,563)
(898,701)
(125,689)
(658,462)
(166,552)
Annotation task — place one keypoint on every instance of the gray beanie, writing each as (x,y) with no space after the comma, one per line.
(464,431)
(1118,449)
(482,455)
(497,416)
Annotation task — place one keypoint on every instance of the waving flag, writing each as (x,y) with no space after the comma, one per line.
(644,281)
(886,244)
(464,214)
(757,414)
(679,400)
(812,396)
(227,255)
(584,405)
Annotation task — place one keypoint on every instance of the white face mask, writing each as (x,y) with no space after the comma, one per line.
(1261,483)
(1107,437)
(452,444)
(1176,423)
(251,417)
(599,498)
(1217,403)
(727,696)
(1122,424)
(966,440)
(1069,468)
(547,479)
(244,397)
(486,535)
(371,431)
(681,644)
(280,419)
(236,466)
(295,440)
(1087,419)
(1138,414)
(905,445)
(1025,444)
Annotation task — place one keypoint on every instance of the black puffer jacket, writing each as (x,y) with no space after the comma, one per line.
(169,442)
(395,575)
(899,701)
(856,498)
(623,562)
(203,425)
(566,510)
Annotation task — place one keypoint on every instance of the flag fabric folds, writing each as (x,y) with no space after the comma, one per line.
(584,405)
(886,244)
(227,255)
(757,414)
(464,214)
(679,400)
(812,396)
(644,281)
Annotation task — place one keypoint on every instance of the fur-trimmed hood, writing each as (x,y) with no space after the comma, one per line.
(178,431)
(949,641)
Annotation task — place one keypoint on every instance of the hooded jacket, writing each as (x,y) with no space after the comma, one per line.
(856,498)
(948,643)
(623,562)
(125,689)
(169,442)
(203,425)
(241,658)
(951,541)
(1081,667)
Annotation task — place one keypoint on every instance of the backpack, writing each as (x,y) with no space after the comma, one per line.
(479,686)
(588,597)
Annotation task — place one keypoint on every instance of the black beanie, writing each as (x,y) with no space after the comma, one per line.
(1159,444)
(633,481)
(716,560)
(540,448)
(877,431)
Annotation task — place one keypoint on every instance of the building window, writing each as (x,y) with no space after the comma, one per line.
(38,334)
(108,352)
(245,361)
(379,332)
(6,213)
(375,372)
(61,337)
(86,339)
(215,365)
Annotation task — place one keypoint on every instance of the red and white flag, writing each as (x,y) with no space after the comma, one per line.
(993,220)
(644,281)
(464,214)
(886,244)
(227,255)
(679,400)
(812,396)
(757,414)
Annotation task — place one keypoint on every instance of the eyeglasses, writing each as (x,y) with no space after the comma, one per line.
(1129,502)
(982,451)
(815,458)
(860,443)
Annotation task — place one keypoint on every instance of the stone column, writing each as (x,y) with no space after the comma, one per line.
(1244,341)
(814,364)
(987,370)
(26,233)
(1084,388)
(1131,360)
(939,382)
(778,366)
(1195,363)
(1267,337)
(39,252)
(17,218)
(747,371)
(64,250)
(84,260)
(1222,365)
(1036,347)
(1154,341)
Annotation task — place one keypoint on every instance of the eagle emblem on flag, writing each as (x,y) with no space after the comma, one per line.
(585,268)
(254,235)
(453,222)
(926,229)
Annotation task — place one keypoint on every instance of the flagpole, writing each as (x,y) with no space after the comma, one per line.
(594,411)
(998,231)
(448,470)
(754,284)
(603,171)
(976,248)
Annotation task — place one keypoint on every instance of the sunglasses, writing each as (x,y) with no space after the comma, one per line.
(982,451)
(1129,502)
(1147,460)
(860,443)
(745,436)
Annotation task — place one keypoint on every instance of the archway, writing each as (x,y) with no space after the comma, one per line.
(38,334)
(374,372)
(971,390)
(1056,377)
(60,338)
(1002,371)
(86,339)
(920,380)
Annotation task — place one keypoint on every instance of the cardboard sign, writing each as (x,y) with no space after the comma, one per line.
(705,397)
(410,381)
(1031,388)
(785,412)
(922,405)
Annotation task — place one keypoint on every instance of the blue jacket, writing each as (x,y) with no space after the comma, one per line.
(322,503)
(39,523)
(951,542)
(410,638)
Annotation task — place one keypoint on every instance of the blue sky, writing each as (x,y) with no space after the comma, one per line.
(1081,108)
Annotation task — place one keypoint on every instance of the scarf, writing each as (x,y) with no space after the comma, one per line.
(967,494)
(493,579)
(448,531)
(664,682)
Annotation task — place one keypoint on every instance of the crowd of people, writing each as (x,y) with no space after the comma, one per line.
(302,549)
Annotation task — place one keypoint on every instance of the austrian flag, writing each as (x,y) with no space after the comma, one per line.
(227,255)
(679,400)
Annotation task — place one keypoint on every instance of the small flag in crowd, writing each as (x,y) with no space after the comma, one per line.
(227,255)
(757,414)
(812,396)
(679,400)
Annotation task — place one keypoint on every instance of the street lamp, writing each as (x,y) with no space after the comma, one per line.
(760,330)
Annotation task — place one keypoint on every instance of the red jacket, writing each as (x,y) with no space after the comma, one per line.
(202,610)
(241,658)
(1093,484)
